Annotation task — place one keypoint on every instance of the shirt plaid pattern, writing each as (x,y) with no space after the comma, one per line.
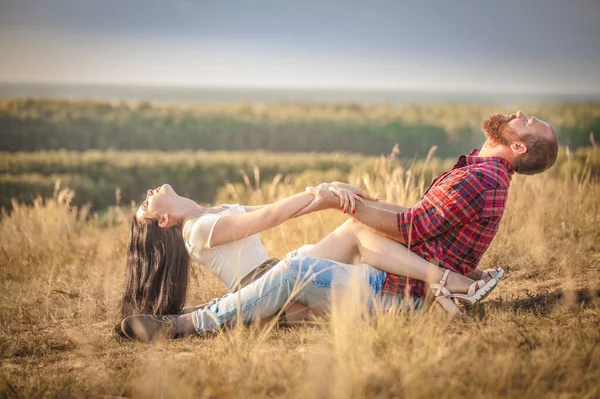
(456,219)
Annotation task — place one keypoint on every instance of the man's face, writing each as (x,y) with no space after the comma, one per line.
(505,129)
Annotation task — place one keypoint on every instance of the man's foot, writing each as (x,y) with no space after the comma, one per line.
(147,328)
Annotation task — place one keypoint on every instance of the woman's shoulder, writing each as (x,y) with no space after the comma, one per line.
(204,224)
(224,207)
(224,210)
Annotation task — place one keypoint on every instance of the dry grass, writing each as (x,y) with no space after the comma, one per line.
(536,336)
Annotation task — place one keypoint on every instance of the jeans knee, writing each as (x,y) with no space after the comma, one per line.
(303,267)
(297,266)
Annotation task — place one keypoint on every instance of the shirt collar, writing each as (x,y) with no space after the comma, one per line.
(473,159)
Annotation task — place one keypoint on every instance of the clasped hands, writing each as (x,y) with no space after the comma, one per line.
(335,195)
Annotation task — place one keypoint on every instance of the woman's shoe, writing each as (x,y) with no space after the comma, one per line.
(488,274)
(491,274)
(480,288)
(442,295)
(476,292)
(147,328)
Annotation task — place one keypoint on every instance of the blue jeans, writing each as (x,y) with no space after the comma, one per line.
(304,279)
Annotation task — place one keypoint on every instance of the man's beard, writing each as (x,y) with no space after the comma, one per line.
(496,129)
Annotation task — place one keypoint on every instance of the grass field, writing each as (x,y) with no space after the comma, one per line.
(537,335)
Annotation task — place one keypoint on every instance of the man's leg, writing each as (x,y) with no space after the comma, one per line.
(353,239)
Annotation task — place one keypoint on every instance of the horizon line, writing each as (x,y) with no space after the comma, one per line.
(294,88)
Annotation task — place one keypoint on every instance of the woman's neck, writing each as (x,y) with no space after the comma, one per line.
(185,209)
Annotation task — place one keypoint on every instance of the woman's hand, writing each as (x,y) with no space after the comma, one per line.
(357,191)
(347,198)
(327,196)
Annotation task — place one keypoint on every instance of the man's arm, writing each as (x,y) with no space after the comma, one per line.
(387,206)
(456,200)
(372,201)
(381,219)
(385,221)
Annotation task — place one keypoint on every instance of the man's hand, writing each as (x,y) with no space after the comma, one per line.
(324,199)
(352,188)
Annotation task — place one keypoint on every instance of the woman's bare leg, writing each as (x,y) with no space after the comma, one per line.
(353,239)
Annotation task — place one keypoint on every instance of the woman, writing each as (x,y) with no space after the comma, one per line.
(168,227)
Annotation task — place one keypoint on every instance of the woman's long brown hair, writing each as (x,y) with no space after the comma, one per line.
(158,268)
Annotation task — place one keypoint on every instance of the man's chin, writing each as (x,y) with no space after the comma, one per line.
(494,128)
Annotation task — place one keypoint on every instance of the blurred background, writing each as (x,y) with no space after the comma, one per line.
(124,95)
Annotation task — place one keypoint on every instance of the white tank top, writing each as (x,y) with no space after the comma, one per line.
(230,262)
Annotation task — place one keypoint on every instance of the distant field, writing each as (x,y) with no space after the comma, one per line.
(32,125)
(95,176)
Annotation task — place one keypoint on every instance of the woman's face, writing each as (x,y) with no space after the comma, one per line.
(158,203)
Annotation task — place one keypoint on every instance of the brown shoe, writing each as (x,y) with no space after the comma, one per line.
(147,328)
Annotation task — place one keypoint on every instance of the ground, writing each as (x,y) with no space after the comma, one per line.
(537,335)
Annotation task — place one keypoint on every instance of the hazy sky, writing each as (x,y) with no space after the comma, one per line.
(509,45)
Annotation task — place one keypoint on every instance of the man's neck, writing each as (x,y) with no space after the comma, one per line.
(490,150)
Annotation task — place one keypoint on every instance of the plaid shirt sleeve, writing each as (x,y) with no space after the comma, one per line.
(457,199)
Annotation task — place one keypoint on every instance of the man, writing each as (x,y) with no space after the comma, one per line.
(457,218)
(452,225)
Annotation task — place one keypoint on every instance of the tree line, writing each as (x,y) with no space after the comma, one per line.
(34,125)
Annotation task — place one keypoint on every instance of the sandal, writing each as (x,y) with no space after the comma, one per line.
(476,292)
(442,295)
(487,276)
(480,288)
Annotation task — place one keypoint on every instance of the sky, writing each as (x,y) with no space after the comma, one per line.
(440,45)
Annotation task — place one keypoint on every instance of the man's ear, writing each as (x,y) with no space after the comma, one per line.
(165,221)
(518,148)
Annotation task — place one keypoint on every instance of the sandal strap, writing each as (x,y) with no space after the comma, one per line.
(442,283)
(487,274)
(473,288)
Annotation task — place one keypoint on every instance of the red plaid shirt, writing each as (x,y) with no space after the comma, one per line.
(456,219)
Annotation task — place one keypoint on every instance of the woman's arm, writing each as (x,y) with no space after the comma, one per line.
(252,208)
(235,227)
